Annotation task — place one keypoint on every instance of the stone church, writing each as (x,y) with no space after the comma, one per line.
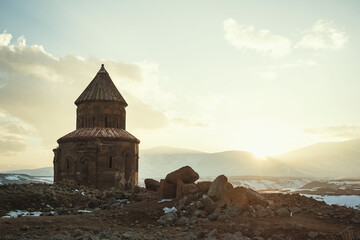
(100,153)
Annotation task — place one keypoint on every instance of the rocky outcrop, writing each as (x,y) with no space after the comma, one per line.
(151,184)
(178,183)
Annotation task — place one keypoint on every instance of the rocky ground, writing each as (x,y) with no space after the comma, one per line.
(207,210)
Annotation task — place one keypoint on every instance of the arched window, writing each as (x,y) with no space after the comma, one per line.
(67,163)
(110,162)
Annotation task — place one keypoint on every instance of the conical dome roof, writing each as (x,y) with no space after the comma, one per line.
(101,88)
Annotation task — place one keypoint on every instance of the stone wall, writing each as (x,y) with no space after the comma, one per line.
(100,163)
(109,114)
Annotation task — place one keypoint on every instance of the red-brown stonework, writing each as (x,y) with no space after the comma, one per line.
(100,153)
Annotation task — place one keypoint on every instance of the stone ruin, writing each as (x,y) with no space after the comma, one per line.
(100,153)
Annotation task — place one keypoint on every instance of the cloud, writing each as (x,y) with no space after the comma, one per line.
(271,72)
(189,122)
(268,75)
(298,63)
(12,134)
(143,116)
(39,90)
(346,131)
(263,41)
(5,39)
(323,35)
(10,145)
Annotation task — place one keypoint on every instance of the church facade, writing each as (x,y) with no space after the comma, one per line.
(100,153)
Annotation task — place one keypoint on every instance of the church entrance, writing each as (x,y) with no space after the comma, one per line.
(87,171)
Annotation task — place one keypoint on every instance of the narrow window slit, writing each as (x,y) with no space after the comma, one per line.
(110,162)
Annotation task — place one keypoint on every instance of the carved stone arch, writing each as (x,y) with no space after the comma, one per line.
(86,168)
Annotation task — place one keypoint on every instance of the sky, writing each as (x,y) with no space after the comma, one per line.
(260,76)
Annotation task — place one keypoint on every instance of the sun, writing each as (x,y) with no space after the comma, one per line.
(260,154)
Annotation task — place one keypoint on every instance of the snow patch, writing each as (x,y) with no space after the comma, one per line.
(169,210)
(124,201)
(165,200)
(16,177)
(17,213)
(345,182)
(84,211)
(352,201)
(290,184)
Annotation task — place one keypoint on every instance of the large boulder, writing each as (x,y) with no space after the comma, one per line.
(209,205)
(151,184)
(189,188)
(203,186)
(242,198)
(218,187)
(186,174)
(167,190)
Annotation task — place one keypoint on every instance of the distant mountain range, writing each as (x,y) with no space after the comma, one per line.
(322,160)
(332,159)
(39,172)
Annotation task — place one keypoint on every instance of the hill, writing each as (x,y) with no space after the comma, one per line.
(332,159)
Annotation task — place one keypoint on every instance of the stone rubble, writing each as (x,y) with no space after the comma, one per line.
(199,206)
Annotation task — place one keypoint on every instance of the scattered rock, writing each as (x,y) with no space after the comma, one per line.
(183,221)
(213,235)
(243,197)
(25,228)
(167,219)
(130,235)
(214,215)
(199,213)
(182,203)
(283,212)
(189,236)
(313,234)
(295,209)
(140,215)
(77,233)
